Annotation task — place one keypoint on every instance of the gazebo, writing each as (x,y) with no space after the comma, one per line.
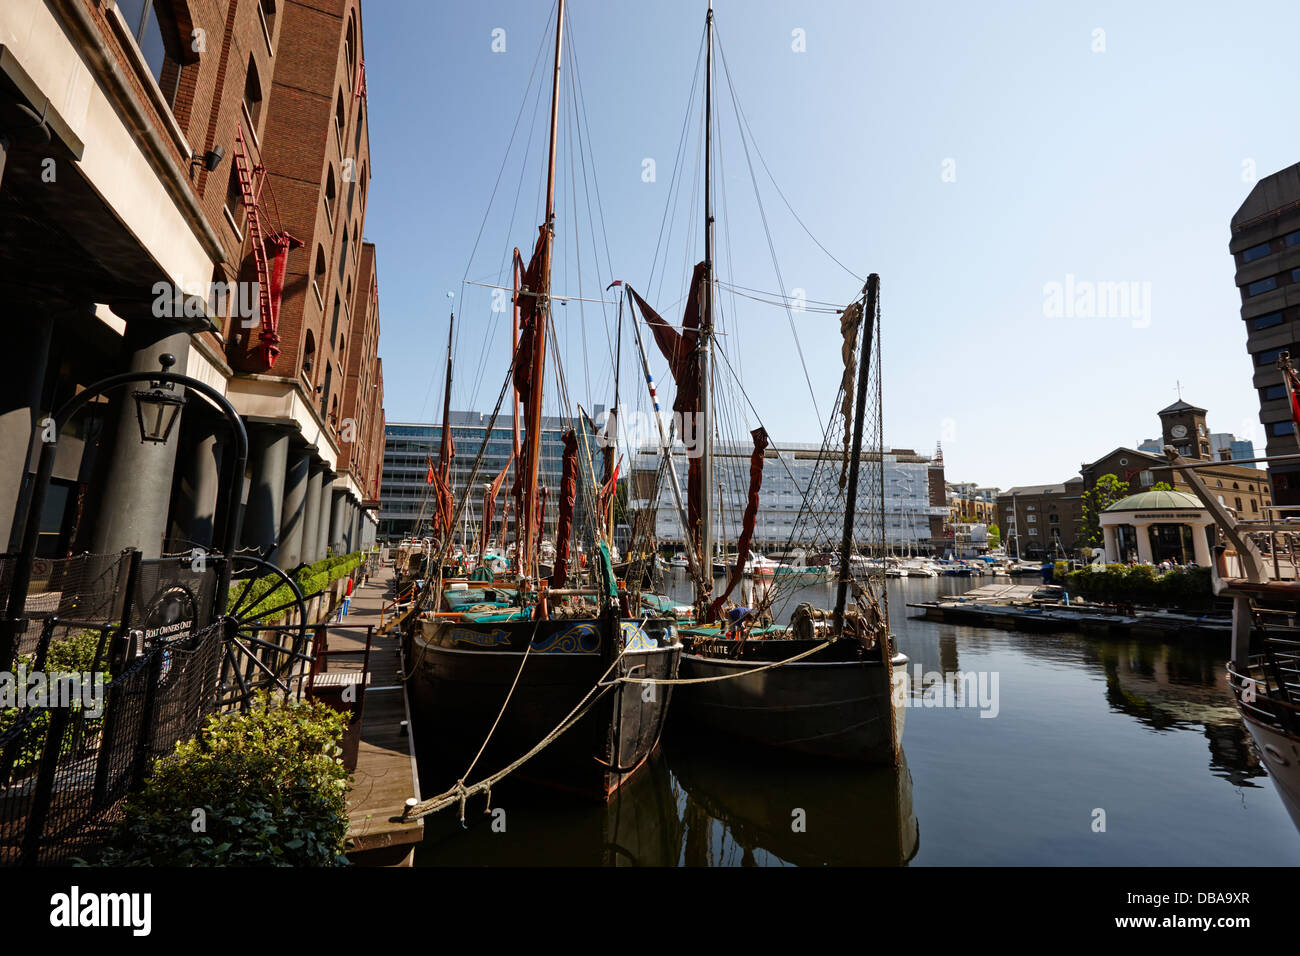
(1157,526)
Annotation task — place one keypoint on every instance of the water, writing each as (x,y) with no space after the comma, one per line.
(1142,730)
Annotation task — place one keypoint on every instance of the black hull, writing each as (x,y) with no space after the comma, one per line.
(827,708)
(458,688)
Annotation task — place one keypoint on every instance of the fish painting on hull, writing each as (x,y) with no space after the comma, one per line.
(582,637)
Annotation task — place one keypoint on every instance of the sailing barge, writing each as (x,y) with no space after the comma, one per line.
(824,684)
(514,665)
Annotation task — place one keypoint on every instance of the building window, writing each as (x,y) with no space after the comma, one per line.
(331,194)
(1254,506)
(1273,392)
(343,259)
(1255,252)
(253,94)
(1293,238)
(334,323)
(235,197)
(308,353)
(1268,321)
(1281,428)
(267,10)
(318,276)
(340,118)
(1267,358)
(325,388)
(1261,286)
(154,28)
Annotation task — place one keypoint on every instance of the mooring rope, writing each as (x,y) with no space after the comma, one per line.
(709,680)
(461,793)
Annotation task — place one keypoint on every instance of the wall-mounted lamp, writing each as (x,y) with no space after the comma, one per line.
(209,160)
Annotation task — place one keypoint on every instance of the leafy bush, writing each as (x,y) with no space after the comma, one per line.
(72,655)
(270,591)
(267,788)
(1142,584)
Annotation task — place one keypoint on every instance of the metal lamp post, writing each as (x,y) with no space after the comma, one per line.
(157,410)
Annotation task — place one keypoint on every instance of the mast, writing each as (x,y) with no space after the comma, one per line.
(528,565)
(851,493)
(444,448)
(705,423)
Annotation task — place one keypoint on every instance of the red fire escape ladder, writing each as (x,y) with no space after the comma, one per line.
(360,89)
(270,278)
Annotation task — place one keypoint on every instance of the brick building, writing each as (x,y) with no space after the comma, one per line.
(125,234)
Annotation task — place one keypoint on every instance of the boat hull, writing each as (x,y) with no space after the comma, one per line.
(1281,755)
(462,674)
(828,708)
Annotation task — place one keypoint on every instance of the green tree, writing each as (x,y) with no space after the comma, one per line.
(1108,490)
(1162,486)
(995,536)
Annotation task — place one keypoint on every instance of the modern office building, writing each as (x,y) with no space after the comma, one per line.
(406,505)
(171,176)
(788,514)
(1225,446)
(1265,245)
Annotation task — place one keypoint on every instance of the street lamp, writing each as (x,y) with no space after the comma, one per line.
(158,407)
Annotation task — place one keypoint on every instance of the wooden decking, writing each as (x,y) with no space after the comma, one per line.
(386,774)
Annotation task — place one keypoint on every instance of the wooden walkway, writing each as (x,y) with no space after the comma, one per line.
(386,774)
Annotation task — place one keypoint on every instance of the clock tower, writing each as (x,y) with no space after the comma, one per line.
(1183,426)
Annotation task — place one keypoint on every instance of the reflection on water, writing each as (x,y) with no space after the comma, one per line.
(1145,730)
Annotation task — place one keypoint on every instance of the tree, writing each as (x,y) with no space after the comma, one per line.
(1162,486)
(995,536)
(1108,490)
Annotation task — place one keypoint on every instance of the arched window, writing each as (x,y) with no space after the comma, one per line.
(308,353)
(267,9)
(340,117)
(334,323)
(253,93)
(331,195)
(343,258)
(356,247)
(235,198)
(325,388)
(318,275)
(350,49)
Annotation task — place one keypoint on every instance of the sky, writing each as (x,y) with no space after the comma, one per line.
(981,158)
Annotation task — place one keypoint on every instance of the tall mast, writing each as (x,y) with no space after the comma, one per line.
(444,449)
(534,447)
(851,493)
(706,332)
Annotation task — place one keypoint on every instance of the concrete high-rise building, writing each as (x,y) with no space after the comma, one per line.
(1265,244)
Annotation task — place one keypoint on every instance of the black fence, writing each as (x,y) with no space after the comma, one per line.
(67,765)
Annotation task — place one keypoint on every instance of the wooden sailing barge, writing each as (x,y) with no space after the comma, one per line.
(823,684)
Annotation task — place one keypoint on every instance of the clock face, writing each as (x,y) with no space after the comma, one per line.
(1178,431)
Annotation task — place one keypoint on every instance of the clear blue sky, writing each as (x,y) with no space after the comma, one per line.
(1122,165)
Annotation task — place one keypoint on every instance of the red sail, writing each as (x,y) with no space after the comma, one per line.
(428,479)
(489,505)
(568,497)
(679,348)
(747,522)
(530,304)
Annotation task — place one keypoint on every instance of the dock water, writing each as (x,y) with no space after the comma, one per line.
(386,775)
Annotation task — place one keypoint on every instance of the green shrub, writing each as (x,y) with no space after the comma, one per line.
(72,655)
(270,591)
(1143,584)
(267,788)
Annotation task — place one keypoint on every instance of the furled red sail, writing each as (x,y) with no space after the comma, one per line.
(568,498)
(747,522)
(530,311)
(489,505)
(606,493)
(680,349)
